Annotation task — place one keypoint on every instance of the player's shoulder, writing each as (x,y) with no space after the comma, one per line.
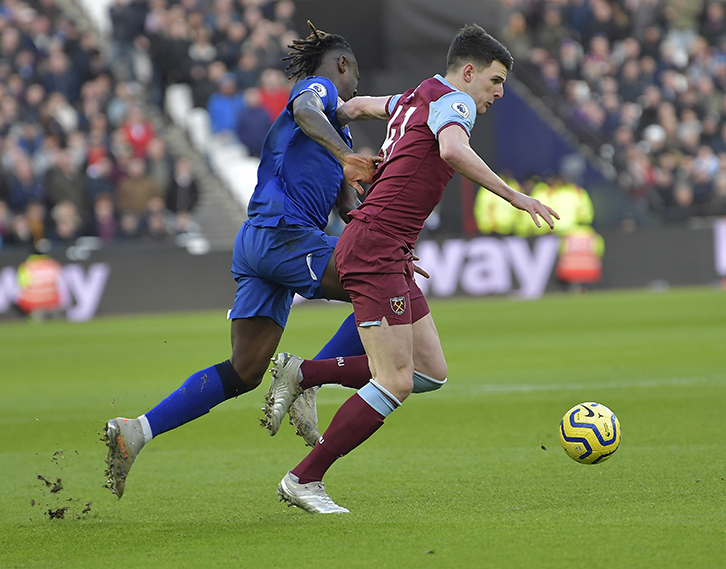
(439,93)
(450,105)
(321,86)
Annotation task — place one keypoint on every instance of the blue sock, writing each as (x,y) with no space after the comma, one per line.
(197,395)
(346,342)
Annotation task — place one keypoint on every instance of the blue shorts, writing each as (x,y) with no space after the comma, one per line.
(271,264)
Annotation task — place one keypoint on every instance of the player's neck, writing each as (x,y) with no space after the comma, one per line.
(456,81)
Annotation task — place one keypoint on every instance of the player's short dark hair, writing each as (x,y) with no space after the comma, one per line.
(473,43)
(307,54)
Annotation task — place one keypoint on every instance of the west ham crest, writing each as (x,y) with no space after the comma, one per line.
(398,305)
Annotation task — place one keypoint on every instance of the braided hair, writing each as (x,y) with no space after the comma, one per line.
(307,54)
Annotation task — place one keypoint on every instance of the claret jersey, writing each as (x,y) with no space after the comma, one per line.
(298,180)
(410,180)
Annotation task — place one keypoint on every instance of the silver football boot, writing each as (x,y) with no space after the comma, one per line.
(310,497)
(284,389)
(304,416)
(124,439)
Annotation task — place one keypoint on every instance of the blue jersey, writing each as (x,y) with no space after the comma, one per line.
(298,180)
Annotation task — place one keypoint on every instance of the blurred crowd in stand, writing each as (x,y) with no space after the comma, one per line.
(228,51)
(642,82)
(80,156)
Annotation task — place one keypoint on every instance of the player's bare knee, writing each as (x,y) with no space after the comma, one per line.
(399,384)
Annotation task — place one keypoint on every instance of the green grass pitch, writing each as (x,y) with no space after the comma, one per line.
(470,476)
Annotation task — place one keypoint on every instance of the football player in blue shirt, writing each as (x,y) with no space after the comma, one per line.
(305,170)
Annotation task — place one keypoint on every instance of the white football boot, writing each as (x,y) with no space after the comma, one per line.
(304,416)
(124,439)
(310,497)
(284,389)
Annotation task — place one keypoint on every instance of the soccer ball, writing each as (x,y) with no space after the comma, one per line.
(590,433)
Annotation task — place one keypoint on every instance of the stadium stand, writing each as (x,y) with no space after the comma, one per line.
(84,92)
(189,49)
(643,84)
(73,117)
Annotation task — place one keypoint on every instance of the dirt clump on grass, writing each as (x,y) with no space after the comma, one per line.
(54,506)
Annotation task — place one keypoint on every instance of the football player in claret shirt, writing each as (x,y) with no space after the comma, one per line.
(427,140)
(305,168)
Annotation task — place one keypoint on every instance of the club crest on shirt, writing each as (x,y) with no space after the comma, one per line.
(398,305)
(319,89)
(461,108)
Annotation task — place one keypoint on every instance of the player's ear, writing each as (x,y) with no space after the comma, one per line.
(342,63)
(468,71)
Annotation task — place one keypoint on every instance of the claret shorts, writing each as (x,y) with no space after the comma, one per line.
(377,272)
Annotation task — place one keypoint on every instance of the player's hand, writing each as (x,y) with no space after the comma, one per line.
(535,208)
(359,169)
(419,270)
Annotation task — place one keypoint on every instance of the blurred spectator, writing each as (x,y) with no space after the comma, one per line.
(127,20)
(682,202)
(135,192)
(60,76)
(570,54)
(120,104)
(65,183)
(261,42)
(224,105)
(138,131)
(284,12)
(606,19)
(201,50)
(104,224)
(274,92)
(229,46)
(156,219)
(247,70)
(6,220)
(67,224)
(29,137)
(516,35)
(100,178)
(159,165)
(33,101)
(202,86)
(717,202)
(552,30)
(169,51)
(23,186)
(630,82)
(713,23)
(183,195)
(253,122)
(59,117)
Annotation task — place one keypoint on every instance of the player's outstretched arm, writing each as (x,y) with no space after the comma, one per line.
(310,116)
(361,109)
(455,150)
